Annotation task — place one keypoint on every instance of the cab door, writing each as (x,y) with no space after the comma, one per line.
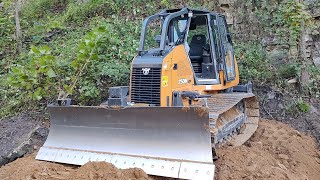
(227,52)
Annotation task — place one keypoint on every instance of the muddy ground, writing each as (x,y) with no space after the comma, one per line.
(276,151)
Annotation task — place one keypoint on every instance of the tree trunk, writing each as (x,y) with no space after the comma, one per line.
(18,28)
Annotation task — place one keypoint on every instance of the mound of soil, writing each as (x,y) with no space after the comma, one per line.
(276,151)
(29,168)
(103,170)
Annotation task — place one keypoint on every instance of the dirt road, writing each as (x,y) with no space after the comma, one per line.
(275,152)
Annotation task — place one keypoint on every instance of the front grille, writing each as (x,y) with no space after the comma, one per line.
(146,88)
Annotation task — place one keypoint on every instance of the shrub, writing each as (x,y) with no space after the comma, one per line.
(114,50)
(303,106)
(298,106)
(290,70)
(102,60)
(253,63)
(37,75)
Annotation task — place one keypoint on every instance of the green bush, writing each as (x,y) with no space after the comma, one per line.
(113,54)
(253,63)
(102,59)
(290,70)
(303,106)
(298,106)
(36,77)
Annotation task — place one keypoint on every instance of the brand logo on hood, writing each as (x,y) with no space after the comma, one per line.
(145,71)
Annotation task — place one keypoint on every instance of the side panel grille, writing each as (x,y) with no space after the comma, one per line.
(146,88)
(197,67)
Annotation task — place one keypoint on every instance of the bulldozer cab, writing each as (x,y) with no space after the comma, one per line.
(205,37)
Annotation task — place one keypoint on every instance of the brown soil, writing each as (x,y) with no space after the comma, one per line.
(276,151)
(29,168)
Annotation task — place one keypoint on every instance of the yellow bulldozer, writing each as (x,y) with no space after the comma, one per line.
(183,101)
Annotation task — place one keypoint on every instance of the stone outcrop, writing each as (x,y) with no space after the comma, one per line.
(20,135)
(244,23)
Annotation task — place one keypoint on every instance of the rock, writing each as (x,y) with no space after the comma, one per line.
(271,95)
(20,135)
(282,166)
(293,52)
(307,38)
(258,144)
(316,12)
(317,46)
(316,61)
(221,2)
(292,81)
(27,146)
(278,55)
(284,156)
(269,41)
(281,106)
(314,110)
(297,133)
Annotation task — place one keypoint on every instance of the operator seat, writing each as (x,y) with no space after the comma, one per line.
(196,51)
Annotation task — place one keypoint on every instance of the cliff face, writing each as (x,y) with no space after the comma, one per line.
(253,20)
(315,38)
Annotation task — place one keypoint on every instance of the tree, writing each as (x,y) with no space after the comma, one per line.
(18,28)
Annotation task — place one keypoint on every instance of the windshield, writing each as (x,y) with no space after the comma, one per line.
(153,32)
(179,29)
(152,38)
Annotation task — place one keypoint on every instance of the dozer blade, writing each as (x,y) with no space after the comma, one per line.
(164,141)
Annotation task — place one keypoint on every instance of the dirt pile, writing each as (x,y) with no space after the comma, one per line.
(103,170)
(276,151)
(29,168)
